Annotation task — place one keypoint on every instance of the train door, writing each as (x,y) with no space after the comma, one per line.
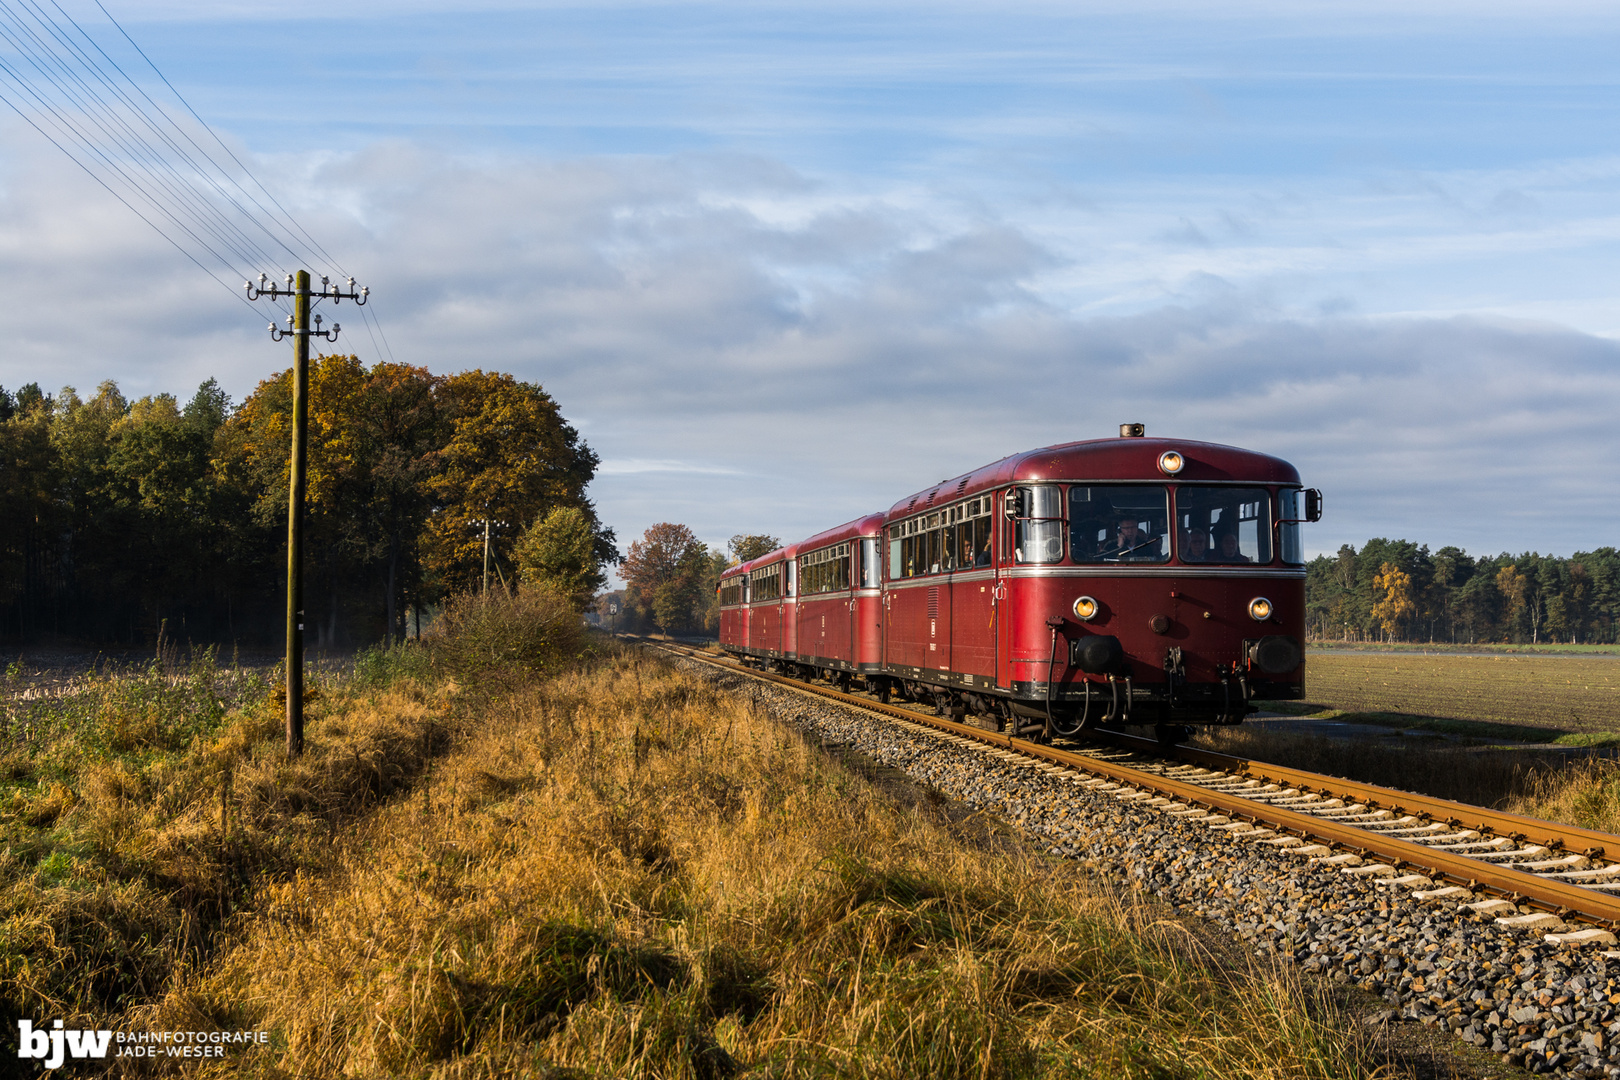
(906,605)
(790,605)
(1004,527)
(866,608)
(973,583)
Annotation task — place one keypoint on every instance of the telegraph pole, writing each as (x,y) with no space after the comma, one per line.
(488,524)
(298,328)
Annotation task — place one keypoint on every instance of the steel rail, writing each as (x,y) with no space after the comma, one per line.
(1571,838)
(1559,897)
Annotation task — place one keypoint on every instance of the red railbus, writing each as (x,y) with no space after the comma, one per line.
(1127,581)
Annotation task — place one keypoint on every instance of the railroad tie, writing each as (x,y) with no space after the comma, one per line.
(1590,936)
(1493,906)
(1450,892)
(1540,920)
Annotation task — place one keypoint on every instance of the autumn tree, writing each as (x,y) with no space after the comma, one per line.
(1393,588)
(511,458)
(745,547)
(664,575)
(559,552)
(1514,587)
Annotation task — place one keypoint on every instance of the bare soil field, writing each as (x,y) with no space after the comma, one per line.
(1531,698)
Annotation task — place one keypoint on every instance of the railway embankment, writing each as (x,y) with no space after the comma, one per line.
(1435,964)
(483,867)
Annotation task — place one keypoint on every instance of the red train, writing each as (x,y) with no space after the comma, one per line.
(1126,581)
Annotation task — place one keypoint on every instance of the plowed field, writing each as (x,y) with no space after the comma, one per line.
(1562,695)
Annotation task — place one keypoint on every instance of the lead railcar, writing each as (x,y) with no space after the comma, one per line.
(1126,581)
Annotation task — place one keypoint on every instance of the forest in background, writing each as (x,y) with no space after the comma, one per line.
(127,519)
(1396,590)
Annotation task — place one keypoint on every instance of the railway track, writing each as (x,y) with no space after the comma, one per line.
(1530,875)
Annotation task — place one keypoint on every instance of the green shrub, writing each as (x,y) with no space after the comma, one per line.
(536,632)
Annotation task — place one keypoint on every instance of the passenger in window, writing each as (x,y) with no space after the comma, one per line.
(1130,542)
(1195,548)
(1228,545)
(984,552)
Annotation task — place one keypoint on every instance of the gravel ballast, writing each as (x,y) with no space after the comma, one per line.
(1547,1007)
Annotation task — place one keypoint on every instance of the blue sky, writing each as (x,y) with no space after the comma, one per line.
(784,264)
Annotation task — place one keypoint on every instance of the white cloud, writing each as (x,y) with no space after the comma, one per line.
(760,351)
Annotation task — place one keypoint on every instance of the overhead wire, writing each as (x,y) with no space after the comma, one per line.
(157,130)
(97,113)
(132,146)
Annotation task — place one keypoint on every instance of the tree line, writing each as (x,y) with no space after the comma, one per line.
(1389,590)
(1396,590)
(123,519)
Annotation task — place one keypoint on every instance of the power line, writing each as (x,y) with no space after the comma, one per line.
(207,203)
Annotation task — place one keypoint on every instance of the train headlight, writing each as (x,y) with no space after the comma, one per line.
(1259,609)
(1085,609)
(1171,462)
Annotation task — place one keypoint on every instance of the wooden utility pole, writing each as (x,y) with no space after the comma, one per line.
(298,328)
(295,518)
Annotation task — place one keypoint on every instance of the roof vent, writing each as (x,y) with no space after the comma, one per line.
(1132,431)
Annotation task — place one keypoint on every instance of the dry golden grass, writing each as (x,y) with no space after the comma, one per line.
(120,865)
(1585,793)
(1562,694)
(623,872)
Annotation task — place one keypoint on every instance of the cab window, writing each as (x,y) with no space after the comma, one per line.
(1038,521)
(1119,523)
(1228,526)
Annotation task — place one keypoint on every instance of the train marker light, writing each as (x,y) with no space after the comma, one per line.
(1171,462)
(1085,609)
(1259,609)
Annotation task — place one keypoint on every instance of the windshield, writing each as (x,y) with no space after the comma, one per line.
(1230,525)
(1119,523)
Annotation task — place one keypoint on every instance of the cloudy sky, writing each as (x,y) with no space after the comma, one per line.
(783,263)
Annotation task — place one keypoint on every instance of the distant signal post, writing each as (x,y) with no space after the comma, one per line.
(298,328)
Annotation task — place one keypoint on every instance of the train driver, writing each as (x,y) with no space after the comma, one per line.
(1132,542)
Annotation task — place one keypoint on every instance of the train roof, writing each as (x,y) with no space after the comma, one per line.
(869,525)
(1117,459)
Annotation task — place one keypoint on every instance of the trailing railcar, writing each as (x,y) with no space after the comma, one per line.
(1128,580)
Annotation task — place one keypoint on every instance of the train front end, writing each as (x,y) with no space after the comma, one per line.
(1152,581)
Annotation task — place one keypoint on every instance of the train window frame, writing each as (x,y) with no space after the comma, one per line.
(1103,524)
(1256,540)
(1289,526)
(871,565)
(1039,538)
(765,583)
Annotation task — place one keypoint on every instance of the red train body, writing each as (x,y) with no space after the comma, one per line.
(1129,580)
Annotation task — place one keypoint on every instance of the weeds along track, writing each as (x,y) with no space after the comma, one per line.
(1437,848)
(1457,918)
(1496,862)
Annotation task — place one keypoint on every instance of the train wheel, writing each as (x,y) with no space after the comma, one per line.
(885,692)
